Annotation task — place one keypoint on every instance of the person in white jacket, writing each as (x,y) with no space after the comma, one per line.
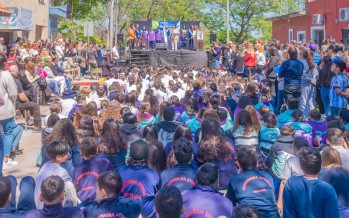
(8,92)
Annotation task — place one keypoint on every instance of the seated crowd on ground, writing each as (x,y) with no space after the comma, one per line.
(169,141)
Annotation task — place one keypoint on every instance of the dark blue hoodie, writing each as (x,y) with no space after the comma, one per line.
(113,207)
(166,130)
(205,201)
(256,188)
(140,183)
(182,176)
(55,211)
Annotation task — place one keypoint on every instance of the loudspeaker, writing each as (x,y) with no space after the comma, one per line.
(120,38)
(213,38)
(161,46)
(345,38)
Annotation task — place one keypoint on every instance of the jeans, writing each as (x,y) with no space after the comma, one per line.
(26,197)
(17,135)
(325,96)
(336,111)
(280,101)
(191,44)
(55,86)
(68,83)
(8,126)
(83,70)
(151,44)
(307,100)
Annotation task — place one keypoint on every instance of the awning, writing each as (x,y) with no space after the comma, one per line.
(4,11)
(286,16)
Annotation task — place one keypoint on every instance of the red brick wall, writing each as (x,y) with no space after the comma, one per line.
(329,8)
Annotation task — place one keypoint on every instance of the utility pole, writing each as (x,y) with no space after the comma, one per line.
(228,26)
(117,4)
(111,19)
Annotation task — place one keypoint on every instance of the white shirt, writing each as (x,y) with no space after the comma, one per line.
(115,53)
(67,105)
(159,95)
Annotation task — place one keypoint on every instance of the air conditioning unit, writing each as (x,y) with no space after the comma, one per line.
(318,19)
(344,14)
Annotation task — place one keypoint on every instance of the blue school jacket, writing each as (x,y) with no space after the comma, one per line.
(182,176)
(205,201)
(140,183)
(57,211)
(113,207)
(256,188)
(284,118)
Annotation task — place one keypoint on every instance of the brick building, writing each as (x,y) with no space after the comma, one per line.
(319,20)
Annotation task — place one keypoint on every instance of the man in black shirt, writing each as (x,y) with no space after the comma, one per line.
(23,101)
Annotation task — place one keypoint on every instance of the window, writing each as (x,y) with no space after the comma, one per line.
(301,36)
(290,35)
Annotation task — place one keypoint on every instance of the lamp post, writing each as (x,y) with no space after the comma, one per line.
(111,19)
(227,22)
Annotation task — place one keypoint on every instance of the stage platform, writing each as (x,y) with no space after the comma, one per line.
(180,58)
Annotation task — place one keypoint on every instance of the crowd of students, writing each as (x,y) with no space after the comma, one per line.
(172,142)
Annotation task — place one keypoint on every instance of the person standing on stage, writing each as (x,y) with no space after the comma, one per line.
(144,38)
(131,36)
(195,34)
(191,37)
(167,34)
(158,35)
(151,38)
(183,39)
(174,37)
(138,33)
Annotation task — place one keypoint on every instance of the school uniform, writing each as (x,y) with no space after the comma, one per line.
(304,198)
(205,201)
(57,211)
(303,130)
(117,160)
(86,175)
(140,183)
(256,188)
(113,207)
(284,118)
(182,176)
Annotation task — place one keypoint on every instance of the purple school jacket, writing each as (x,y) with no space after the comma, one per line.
(205,201)
(158,35)
(86,175)
(140,183)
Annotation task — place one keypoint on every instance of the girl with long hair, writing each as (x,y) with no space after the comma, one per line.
(325,77)
(85,128)
(91,110)
(112,112)
(333,173)
(244,100)
(245,133)
(157,159)
(216,148)
(308,84)
(111,145)
(144,117)
(64,131)
(159,116)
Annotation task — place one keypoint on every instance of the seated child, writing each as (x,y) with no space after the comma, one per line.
(268,133)
(55,108)
(302,129)
(144,117)
(285,118)
(261,112)
(80,103)
(139,181)
(109,185)
(58,153)
(87,172)
(112,92)
(225,123)
(319,126)
(26,202)
(265,99)
(52,195)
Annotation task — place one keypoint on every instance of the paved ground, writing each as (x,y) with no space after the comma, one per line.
(30,143)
